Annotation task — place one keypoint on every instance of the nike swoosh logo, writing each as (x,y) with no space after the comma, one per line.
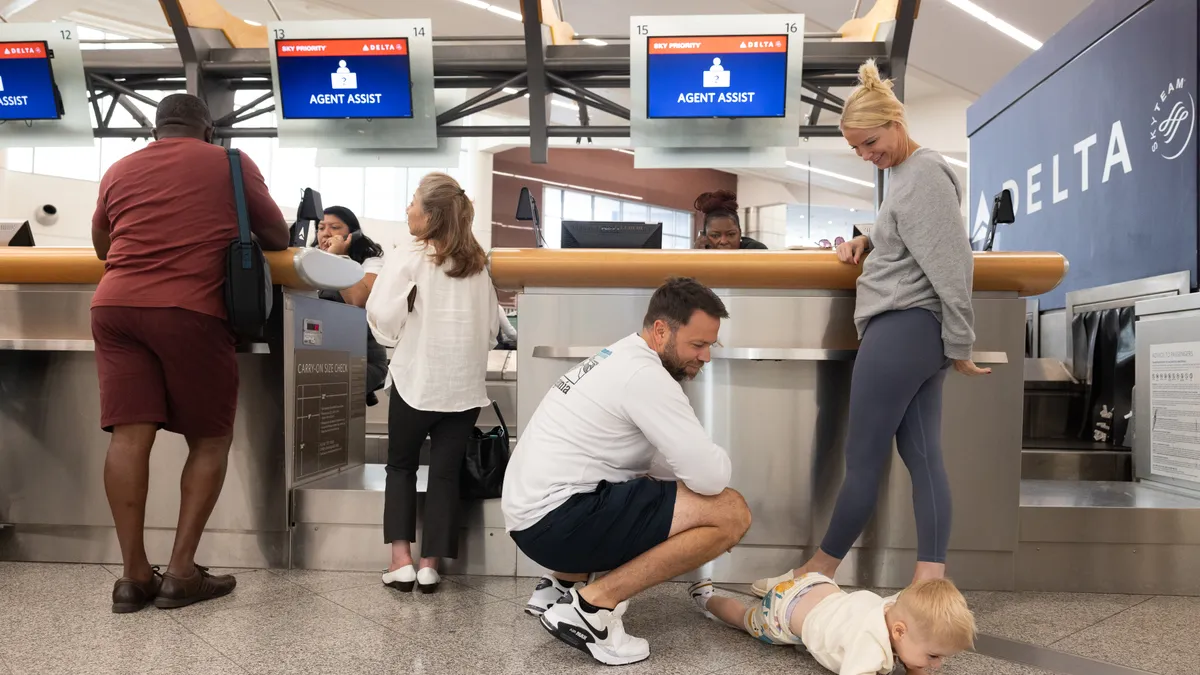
(603,635)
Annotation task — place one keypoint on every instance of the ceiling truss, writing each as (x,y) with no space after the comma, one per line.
(503,69)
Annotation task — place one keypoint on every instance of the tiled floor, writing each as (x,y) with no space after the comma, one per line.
(56,619)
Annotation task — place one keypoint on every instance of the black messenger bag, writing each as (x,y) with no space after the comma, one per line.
(248,291)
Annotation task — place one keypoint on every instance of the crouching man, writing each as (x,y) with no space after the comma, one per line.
(577,499)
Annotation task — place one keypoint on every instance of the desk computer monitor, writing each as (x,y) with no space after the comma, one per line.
(585,234)
(15,233)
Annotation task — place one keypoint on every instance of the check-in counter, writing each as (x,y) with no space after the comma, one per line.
(776,393)
(301,415)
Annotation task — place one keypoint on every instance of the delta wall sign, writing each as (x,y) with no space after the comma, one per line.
(1101,156)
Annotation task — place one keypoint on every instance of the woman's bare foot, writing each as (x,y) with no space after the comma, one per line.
(821,563)
(430,563)
(929,570)
(401,555)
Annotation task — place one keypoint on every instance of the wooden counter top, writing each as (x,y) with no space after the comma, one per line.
(80,266)
(1027,274)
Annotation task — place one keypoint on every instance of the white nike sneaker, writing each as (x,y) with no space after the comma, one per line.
(549,591)
(764,586)
(600,634)
(701,592)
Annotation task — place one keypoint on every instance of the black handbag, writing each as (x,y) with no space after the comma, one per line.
(485,461)
(248,291)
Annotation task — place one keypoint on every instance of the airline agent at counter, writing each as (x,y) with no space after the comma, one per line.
(722,226)
(340,233)
(165,355)
(915,319)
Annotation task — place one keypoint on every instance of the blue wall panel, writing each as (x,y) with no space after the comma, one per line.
(1101,155)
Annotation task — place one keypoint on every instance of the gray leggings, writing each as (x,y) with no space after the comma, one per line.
(896,391)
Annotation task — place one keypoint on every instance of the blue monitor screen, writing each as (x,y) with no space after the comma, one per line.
(716,76)
(26,82)
(344,78)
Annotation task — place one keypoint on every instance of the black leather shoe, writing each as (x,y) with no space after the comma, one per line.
(130,596)
(180,592)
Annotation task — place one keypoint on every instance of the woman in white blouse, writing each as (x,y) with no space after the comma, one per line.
(435,303)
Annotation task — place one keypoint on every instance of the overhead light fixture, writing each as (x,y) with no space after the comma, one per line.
(567,185)
(831,174)
(506,13)
(955,161)
(499,11)
(594,42)
(997,23)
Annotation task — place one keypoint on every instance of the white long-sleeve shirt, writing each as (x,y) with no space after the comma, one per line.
(848,634)
(439,362)
(605,420)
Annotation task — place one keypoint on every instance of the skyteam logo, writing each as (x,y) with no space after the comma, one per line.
(1173,121)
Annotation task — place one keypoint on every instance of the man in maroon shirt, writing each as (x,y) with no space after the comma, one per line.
(164,351)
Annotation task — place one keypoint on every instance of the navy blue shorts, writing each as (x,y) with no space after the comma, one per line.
(601,530)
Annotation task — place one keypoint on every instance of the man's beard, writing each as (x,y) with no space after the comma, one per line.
(674,365)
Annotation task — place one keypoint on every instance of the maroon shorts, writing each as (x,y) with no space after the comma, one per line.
(172,367)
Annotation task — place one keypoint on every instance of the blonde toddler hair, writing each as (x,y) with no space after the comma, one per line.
(872,104)
(937,611)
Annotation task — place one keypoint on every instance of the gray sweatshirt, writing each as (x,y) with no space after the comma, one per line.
(920,255)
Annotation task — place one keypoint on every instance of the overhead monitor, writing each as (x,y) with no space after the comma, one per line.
(716,76)
(27,89)
(584,234)
(344,78)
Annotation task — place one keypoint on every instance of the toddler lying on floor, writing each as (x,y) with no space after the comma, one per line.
(857,633)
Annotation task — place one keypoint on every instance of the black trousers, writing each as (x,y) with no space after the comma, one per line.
(449,434)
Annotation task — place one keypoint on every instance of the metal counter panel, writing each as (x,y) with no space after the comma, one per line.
(52,454)
(52,450)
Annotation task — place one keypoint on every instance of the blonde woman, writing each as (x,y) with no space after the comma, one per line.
(435,303)
(915,320)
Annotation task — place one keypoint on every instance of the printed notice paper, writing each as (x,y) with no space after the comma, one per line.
(1175,411)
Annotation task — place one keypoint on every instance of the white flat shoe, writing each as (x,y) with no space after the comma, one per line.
(402,579)
(428,580)
(764,586)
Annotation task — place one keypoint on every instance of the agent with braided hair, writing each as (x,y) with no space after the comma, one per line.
(722,226)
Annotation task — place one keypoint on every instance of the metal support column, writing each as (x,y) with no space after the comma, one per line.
(214,90)
(906,16)
(185,44)
(535,56)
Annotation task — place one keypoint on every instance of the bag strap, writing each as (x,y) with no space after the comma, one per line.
(496,407)
(239,198)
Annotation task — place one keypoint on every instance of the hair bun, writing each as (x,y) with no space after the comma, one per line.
(721,200)
(868,77)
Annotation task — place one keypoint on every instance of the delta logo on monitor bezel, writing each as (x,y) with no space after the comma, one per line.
(1173,120)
